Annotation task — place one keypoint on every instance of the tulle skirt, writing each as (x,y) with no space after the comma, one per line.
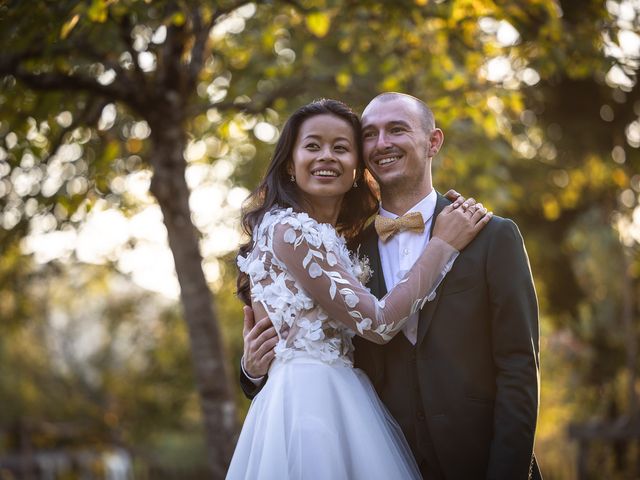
(314,420)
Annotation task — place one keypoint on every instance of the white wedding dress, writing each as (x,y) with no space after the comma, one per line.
(317,417)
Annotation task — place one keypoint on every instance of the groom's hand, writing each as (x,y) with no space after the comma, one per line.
(260,338)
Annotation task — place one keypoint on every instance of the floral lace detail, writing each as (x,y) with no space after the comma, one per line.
(301,272)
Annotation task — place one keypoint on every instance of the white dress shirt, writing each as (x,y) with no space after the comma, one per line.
(400,252)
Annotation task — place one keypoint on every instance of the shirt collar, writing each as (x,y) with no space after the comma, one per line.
(426,207)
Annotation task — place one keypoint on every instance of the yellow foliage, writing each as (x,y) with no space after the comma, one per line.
(343,79)
(464,9)
(390,84)
(577,179)
(98,11)
(178,19)
(490,126)
(447,64)
(310,50)
(267,41)
(345,45)
(620,178)
(68,26)
(240,59)
(550,207)
(569,197)
(412,39)
(361,66)
(280,104)
(294,17)
(318,23)
(454,82)
(134,145)
(596,170)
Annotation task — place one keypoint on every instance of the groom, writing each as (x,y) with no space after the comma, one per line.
(462,378)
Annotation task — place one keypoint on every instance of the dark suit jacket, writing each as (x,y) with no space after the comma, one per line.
(477,359)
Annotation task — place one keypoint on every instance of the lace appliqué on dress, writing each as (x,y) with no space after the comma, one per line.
(301,272)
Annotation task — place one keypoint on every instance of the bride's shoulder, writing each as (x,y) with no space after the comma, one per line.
(279,219)
(300,221)
(280,216)
(293,227)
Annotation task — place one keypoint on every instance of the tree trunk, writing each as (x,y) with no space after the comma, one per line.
(169,187)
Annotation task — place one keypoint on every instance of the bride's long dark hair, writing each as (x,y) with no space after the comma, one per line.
(276,189)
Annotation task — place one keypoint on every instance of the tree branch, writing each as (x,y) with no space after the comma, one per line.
(87,50)
(228,9)
(298,6)
(259,104)
(80,47)
(201,34)
(172,76)
(61,81)
(89,116)
(51,81)
(124,27)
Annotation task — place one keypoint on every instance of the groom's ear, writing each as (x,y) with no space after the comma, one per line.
(436,139)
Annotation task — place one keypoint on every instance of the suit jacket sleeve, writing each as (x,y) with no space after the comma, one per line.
(515,335)
(249,388)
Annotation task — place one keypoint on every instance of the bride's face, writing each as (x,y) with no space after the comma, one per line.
(325,158)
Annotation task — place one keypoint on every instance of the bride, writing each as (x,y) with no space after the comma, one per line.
(317,416)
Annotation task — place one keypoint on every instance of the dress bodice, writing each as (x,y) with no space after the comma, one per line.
(303,326)
(301,272)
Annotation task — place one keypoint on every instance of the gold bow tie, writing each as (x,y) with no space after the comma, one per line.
(387,227)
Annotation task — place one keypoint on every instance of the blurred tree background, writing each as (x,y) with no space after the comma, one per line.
(131,131)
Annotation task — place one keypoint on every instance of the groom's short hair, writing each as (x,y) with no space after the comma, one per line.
(427,119)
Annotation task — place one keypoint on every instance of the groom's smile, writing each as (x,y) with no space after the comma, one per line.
(383,161)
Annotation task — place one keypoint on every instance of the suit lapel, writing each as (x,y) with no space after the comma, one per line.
(426,314)
(369,248)
(368,357)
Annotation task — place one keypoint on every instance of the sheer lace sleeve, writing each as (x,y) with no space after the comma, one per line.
(314,263)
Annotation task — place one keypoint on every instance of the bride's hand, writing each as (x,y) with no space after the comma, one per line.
(458,226)
(458,200)
(452,196)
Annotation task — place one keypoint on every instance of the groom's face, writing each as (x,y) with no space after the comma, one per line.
(395,144)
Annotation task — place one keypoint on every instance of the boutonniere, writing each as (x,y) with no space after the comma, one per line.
(361,267)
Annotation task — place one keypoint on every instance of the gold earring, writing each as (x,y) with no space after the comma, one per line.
(293,178)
